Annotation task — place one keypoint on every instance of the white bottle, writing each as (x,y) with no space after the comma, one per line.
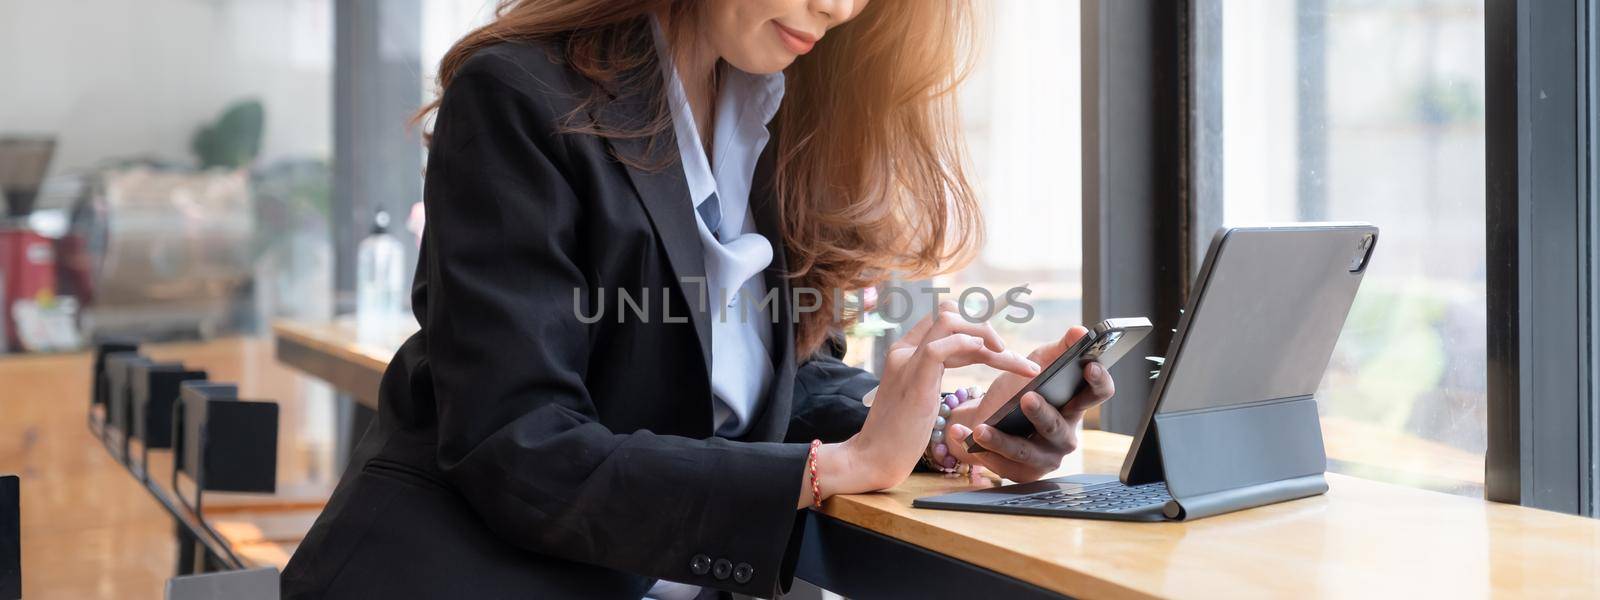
(380,279)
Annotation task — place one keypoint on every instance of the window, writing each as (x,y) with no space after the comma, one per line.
(1021,118)
(1370,111)
(199,133)
(187,194)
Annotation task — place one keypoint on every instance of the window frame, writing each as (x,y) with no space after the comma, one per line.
(1137,209)
(377,160)
(1541,224)
(1540,229)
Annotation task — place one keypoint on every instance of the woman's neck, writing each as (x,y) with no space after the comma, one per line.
(696,64)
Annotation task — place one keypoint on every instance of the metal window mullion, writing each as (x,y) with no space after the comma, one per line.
(1589,269)
(377,162)
(377,156)
(1135,196)
(1540,239)
(1206,95)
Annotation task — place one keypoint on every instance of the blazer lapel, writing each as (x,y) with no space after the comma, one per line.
(665,195)
(772,421)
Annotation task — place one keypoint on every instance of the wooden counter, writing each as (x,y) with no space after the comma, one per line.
(1361,538)
(350,358)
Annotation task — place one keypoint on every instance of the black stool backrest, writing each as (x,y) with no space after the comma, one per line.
(10,538)
(155,391)
(183,453)
(225,444)
(119,399)
(98,395)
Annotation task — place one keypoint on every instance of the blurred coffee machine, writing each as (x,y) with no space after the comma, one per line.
(148,251)
(168,251)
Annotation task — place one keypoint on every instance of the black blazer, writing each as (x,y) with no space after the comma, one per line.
(519,452)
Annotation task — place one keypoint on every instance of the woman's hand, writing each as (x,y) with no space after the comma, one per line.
(1028,459)
(898,426)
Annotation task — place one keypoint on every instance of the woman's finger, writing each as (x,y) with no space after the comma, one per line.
(1099,389)
(948,322)
(1048,352)
(1071,336)
(1015,448)
(991,460)
(913,337)
(960,350)
(1053,429)
(919,332)
(931,357)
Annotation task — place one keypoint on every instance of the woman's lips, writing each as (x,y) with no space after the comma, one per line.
(798,42)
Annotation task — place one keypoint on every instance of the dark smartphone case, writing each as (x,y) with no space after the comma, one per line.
(1106,343)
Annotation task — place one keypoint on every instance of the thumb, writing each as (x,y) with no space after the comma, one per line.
(958,432)
(956,440)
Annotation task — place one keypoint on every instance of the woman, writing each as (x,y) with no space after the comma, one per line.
(539,437)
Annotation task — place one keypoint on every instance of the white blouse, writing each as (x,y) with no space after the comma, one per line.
(736,255)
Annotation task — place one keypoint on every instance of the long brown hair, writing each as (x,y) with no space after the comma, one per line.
(871,170)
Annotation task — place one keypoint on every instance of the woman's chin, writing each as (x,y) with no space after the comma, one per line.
(765,62)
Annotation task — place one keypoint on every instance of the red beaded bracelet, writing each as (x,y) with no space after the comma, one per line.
(816,486)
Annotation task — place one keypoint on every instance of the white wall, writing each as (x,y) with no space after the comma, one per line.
(123,78)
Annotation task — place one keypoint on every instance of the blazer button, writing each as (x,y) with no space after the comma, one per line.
(743,573)
(722,569)
(700,564)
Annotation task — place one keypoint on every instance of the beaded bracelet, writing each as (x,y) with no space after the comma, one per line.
(937,456)
(811,464)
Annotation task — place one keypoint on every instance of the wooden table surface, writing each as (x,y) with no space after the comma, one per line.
(1362,538)
(350,358)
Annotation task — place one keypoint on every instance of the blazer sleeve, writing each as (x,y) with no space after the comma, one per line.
(827,399)
(518,432)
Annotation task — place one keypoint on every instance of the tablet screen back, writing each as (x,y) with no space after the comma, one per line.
(1267,315)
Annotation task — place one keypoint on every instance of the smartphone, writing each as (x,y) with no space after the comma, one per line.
(1105,343)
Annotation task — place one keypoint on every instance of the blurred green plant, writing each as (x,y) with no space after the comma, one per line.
(1390,354)
(234,140)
